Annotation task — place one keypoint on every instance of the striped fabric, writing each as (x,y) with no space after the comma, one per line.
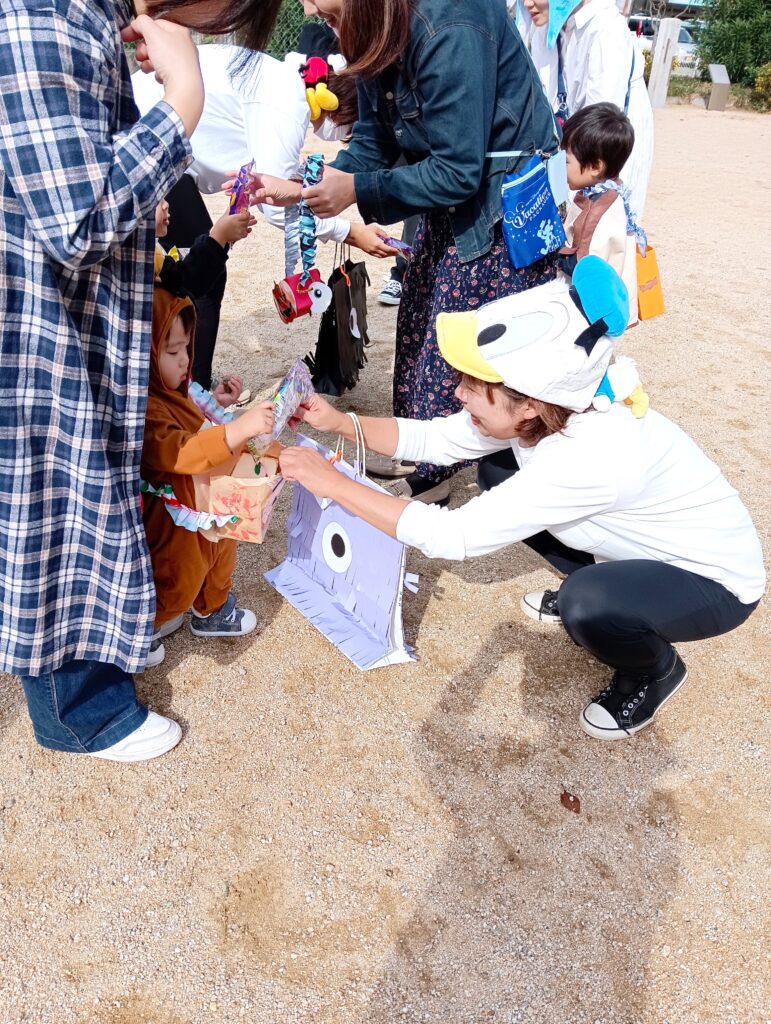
(79,181)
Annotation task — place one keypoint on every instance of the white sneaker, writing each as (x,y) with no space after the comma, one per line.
(157,650)
(541,605)
(157,654)
(155,736)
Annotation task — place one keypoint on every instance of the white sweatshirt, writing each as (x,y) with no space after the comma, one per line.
(598,54)
(610,484)
(263,116)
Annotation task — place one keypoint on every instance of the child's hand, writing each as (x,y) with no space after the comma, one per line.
(230,228)
(259,420)
(252,423)
(318,413)
(228,390)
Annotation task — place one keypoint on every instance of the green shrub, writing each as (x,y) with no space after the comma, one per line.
(737,33)
(761,94)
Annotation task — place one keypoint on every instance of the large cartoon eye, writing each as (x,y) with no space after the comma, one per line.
(336,547)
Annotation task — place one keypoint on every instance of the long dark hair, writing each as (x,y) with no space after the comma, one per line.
(373,36)
(251,20)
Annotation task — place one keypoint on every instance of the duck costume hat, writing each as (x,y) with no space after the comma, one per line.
(552,342)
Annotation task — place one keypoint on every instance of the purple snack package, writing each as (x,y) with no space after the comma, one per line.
(239,197)
(397,243)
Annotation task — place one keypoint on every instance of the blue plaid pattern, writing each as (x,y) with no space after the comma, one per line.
(80,177)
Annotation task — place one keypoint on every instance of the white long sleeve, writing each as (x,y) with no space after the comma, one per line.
(609,484)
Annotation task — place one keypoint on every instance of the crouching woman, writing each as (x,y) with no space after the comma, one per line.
(655,544)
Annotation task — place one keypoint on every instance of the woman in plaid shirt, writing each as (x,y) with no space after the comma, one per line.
(80,177)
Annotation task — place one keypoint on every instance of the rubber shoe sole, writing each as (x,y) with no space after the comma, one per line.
(615,732)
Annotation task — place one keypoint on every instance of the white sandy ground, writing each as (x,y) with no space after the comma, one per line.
(345,848)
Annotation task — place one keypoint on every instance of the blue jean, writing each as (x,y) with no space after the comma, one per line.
(83,706)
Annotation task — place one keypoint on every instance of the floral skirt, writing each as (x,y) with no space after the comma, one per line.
(437,282)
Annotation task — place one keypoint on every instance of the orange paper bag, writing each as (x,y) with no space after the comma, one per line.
(650,297)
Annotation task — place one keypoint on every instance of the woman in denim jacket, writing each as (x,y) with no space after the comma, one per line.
(448,86)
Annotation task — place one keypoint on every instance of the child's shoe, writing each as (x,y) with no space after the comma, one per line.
(155,736)
(157,650)
(227,621)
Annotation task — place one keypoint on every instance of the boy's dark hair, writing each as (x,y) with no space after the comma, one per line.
(599,132)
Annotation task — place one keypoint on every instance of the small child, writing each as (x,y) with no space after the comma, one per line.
(198,272)
(189,570)
(597,142)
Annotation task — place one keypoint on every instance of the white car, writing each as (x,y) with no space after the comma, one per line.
(687,53)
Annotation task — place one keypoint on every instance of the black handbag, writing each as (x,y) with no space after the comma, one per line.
(339,355)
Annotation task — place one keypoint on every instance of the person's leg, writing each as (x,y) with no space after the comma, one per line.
(207,326)
(189,218)
(628,614)
(215,612)
(83,706)
(218,580)
(493,470)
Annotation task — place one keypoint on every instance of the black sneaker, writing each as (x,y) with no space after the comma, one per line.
(417,487)
(630,702)
(541,605)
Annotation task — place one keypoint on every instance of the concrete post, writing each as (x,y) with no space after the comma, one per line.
(721,85)
(664,52)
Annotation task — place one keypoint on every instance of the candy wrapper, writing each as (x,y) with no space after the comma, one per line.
(293,390)
(396,243)
(239,196)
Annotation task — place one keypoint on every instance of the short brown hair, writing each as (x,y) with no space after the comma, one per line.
(551,419)
(374,36)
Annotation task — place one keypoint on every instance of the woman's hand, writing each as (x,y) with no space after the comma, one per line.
(266,188)
(333,194)
(369,238)
(310,469)
(169,51)
(319,414)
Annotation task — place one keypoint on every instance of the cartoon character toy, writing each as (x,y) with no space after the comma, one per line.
(315,74)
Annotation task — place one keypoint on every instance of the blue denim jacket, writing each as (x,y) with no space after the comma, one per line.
(459,106)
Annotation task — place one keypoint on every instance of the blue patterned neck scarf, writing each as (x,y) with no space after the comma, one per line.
(632,227)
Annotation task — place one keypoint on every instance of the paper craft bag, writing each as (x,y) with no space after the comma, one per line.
(650,297)
(235,489)
(345,576)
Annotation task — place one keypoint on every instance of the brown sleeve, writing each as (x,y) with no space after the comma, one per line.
(170,449)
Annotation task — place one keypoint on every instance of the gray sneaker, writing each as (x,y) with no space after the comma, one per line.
(227,621)
(390,293)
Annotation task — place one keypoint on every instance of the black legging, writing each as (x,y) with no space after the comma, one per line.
(189,218)
(629,613)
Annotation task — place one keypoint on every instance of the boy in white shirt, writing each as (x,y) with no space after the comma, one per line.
(600,220)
